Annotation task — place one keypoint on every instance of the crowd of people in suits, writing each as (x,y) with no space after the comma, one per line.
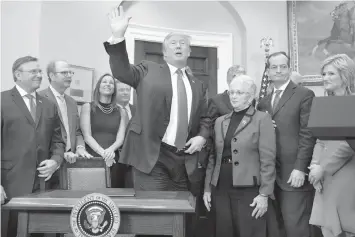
(253,163)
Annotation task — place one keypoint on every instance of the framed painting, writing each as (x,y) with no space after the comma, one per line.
(318,29)
(82,84)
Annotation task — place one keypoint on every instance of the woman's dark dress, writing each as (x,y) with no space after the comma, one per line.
(104,128)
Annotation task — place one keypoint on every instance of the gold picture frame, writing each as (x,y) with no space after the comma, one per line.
(311,30)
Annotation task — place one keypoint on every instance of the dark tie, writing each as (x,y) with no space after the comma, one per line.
(182,122)
(32,106)
(276,99)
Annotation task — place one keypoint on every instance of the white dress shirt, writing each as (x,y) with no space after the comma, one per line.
(170,134)
(128,109)
(282,88)
(63,109)
(23,94)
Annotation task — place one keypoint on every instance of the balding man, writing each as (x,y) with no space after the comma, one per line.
(60,77)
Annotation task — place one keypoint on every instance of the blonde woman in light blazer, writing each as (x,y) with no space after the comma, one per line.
(332,170)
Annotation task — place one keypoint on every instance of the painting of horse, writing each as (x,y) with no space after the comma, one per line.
(318,29)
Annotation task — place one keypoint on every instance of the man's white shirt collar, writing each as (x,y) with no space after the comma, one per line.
(55,92)
(283,87)
(23,92)
(174,69)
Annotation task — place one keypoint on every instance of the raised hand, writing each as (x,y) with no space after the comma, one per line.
(118,21)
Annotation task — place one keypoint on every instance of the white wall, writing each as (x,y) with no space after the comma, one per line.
(20,27)
(76,30)
(261,19)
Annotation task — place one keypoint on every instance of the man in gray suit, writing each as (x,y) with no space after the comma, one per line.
(60,76)
(289,105)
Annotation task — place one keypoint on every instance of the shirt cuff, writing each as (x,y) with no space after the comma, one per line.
(113,40)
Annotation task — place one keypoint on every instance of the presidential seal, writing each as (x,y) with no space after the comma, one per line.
(95,215)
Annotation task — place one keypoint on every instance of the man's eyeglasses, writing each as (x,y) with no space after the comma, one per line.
(66,73)
(33,72)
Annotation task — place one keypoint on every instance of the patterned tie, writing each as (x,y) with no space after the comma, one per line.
(125,111)
(276,99)
(32,106)
(64,112)
(182,122)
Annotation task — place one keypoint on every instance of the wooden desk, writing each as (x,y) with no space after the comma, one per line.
(152,213)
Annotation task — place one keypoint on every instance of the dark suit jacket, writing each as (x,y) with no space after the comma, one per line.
(25,143)
(76,137)
(152,82)
(294,139)
(253,152)
(133,109)
(219,105)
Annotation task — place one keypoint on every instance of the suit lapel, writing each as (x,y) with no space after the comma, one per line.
(194,102)
(245,121)
(225,124)
(39,106)
(268,105)
(16,97)
(133,110)
(70,112)
(167,87)
(289,91)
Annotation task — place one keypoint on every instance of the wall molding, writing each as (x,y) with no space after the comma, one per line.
(222,41)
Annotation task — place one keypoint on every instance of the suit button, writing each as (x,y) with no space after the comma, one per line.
(236,163)
(235,151)
(234,139)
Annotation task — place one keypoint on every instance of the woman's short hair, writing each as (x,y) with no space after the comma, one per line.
(96,93)
(346,69)
(248,81)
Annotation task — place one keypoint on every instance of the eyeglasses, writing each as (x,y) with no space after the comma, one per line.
(33,72)
(66,73)
(237,93)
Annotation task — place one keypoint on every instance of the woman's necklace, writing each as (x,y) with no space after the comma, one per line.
(105,110)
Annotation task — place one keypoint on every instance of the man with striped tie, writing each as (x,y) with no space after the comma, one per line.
(32,147)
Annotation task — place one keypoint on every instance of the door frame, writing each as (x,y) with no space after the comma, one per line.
(222,41)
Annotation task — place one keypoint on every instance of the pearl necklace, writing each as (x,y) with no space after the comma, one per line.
(107,110)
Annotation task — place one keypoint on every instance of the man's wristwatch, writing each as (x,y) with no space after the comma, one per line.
(263,195)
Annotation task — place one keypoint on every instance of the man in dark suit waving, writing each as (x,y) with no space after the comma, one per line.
(171,125)
(290,105)
(31,141)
